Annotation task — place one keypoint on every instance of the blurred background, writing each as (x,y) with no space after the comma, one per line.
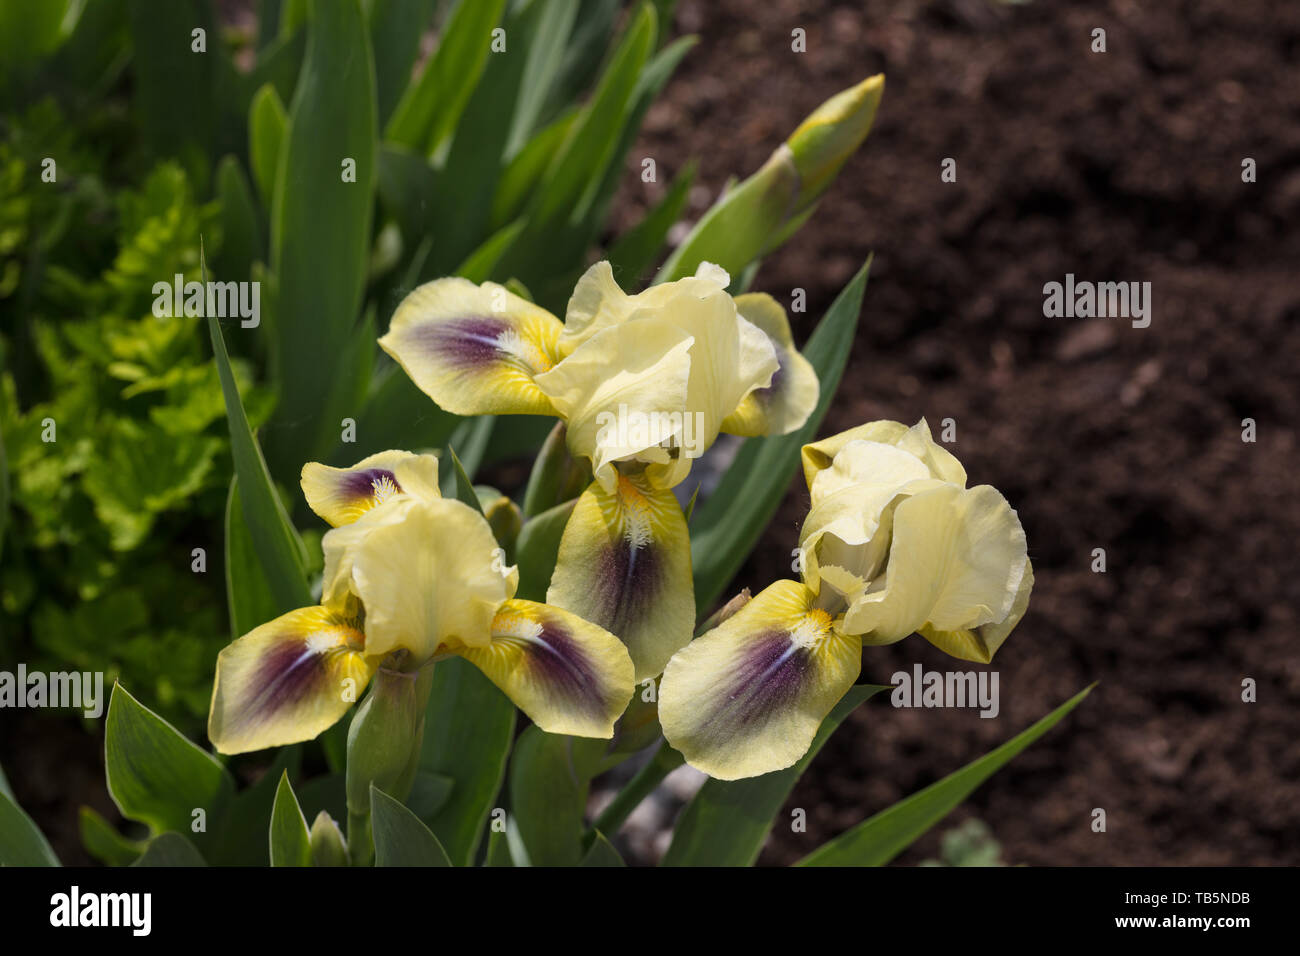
(1116,166)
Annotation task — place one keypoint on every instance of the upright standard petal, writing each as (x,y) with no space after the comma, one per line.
(342,495)
(622,394)
(474,350)
(916,441)
(598,303)
(747,697)
(287,680)
(435,575)
(784,404)
(568,675)
(625,564)
(956,562)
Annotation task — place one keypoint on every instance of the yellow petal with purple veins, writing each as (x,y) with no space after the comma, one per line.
(568,675)
(342,495)
(475,349)
(625,564)
(288,680)
(747,697)
(786,402)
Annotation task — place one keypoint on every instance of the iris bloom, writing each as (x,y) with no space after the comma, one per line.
(410,577)
(894,543)
(644,383)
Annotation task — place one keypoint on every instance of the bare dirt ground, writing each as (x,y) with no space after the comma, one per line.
(1122,166)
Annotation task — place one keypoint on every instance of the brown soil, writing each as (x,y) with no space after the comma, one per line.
(1118,166)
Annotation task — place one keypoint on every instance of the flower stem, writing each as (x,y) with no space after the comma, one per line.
(664,761)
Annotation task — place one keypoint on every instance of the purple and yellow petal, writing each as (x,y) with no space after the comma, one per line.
(287,681)
(625,564)
(748,697)
(568,675)
(475,349)
(342,495)
(786,402)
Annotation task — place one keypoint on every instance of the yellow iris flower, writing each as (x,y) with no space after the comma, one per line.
(410,577)
(644,384)
(894,543)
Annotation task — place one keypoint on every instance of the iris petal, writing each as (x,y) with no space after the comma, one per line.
(569,676)
(981,643)
(625,564)
(475,350)
(786,402)
(427,572)
(956,562)
(747,697)
(287,681)
(342,495)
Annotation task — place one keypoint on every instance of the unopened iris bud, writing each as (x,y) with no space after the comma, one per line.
(328,847)
(503,517)
(827,138)
(384,745)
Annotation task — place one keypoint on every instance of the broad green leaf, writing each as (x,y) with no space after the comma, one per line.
(472,436)
(537,549)
(498,850)
(395,30)
(520,176)
(320,236)
(548,24)
(170,849)
(241,837)
(172,85)
(289,840)
(586,153)
(156,776)
(428,111)
(21,841)
(602,853)
(549,779)
(594,206)
(241,237)
(104,843)
(727,821)
(876,841)
(429,794)
(278,550)
(483,260)
(400,838)
(399,415)
(455,483)
(727,525)
(632,255)
(29,30)
(248,596)
(266,124)
(468,728)
(406,187)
